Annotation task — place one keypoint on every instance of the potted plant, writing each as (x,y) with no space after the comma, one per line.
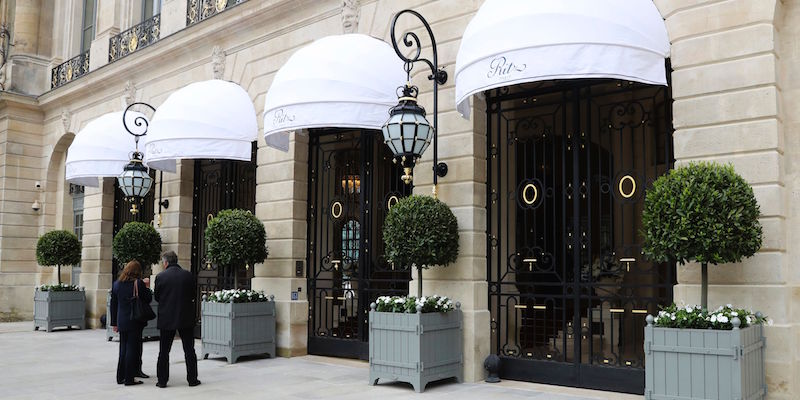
(141,242)
(237,322)
(59,305)
(236,239)
(417,339)
(706,213)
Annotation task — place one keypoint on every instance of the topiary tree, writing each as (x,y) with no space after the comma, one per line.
(420,231)
(236,238)
(137,241)
(703,212)
(58,248)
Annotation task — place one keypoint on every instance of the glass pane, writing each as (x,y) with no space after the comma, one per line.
(88,12)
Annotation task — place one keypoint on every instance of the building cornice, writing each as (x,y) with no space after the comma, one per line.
(249,16)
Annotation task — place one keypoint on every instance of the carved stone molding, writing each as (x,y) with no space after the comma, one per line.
(66,119)
(129,94)
(218,62)
(351,11)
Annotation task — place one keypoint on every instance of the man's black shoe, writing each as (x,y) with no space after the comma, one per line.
(195,383)
(142,375)
(161,385)
(133,383)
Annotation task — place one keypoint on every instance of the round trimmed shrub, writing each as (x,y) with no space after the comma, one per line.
(236,238)
(420,231)
(58,248)
(137,241)
(703,212)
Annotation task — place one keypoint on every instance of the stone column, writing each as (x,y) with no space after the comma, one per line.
(27,68)
(173,16)
(107,24)
(96,277)
(281,203)
(176,221)
(727,109)
(20,168)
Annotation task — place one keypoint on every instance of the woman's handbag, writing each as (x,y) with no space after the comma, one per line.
(141,311)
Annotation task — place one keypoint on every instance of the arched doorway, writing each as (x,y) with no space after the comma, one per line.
(569,162)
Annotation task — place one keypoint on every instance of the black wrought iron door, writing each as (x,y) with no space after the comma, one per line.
(352,184)
(219,185)
(569,290)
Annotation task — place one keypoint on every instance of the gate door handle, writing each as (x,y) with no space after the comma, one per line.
(627,261)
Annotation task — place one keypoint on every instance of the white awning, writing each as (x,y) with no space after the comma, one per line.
(342,81)
(101,149)
(209,119)
(516,41)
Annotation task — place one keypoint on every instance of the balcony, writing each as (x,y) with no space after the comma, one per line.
(136,38)
(69,70)
(200,10)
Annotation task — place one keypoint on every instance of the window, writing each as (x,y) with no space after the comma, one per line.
(150,8)
(87,31)
(77,224)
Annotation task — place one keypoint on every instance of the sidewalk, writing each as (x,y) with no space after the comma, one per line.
(79,364)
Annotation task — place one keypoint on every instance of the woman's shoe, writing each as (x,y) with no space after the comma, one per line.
(133,383)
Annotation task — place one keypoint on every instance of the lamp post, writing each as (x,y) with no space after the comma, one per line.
(135,180)
(407,132)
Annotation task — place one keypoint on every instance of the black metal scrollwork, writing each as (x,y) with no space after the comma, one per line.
(69,70)
(437,75)
(135,38)
(199,10)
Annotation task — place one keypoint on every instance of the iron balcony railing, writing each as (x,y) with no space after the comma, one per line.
(69,70)
(199,10)
(135,38)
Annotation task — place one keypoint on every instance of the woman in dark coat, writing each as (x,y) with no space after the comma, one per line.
(130,330)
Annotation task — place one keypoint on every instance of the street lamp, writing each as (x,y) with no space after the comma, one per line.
(407,132)
(135,180)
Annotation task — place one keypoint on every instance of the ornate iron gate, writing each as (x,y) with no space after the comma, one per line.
(568,287)
(352,183)
(219,185)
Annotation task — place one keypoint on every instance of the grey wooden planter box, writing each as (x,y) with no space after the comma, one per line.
(59,309)
(415,348)
(233,330)
(150,331)
(703,363)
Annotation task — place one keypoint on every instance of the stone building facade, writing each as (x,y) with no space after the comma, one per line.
(732,81)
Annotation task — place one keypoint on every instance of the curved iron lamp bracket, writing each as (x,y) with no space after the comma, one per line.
(437,75)
(141,123)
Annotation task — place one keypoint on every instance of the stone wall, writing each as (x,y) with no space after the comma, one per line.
(730,69)
(734,64)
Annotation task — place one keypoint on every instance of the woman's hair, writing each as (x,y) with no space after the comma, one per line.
(131,272)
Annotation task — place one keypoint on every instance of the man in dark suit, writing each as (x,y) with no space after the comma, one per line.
(175,294)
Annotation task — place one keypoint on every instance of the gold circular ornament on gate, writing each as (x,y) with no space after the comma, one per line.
(392,201)
(525,191)
(336,209)
(69,73)
(221,4)
(133,43)
(622,193)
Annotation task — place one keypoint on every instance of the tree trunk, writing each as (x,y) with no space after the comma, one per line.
(419,281)
(59,274)
(704,286)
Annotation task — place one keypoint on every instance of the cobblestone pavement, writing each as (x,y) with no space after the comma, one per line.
(75,364)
